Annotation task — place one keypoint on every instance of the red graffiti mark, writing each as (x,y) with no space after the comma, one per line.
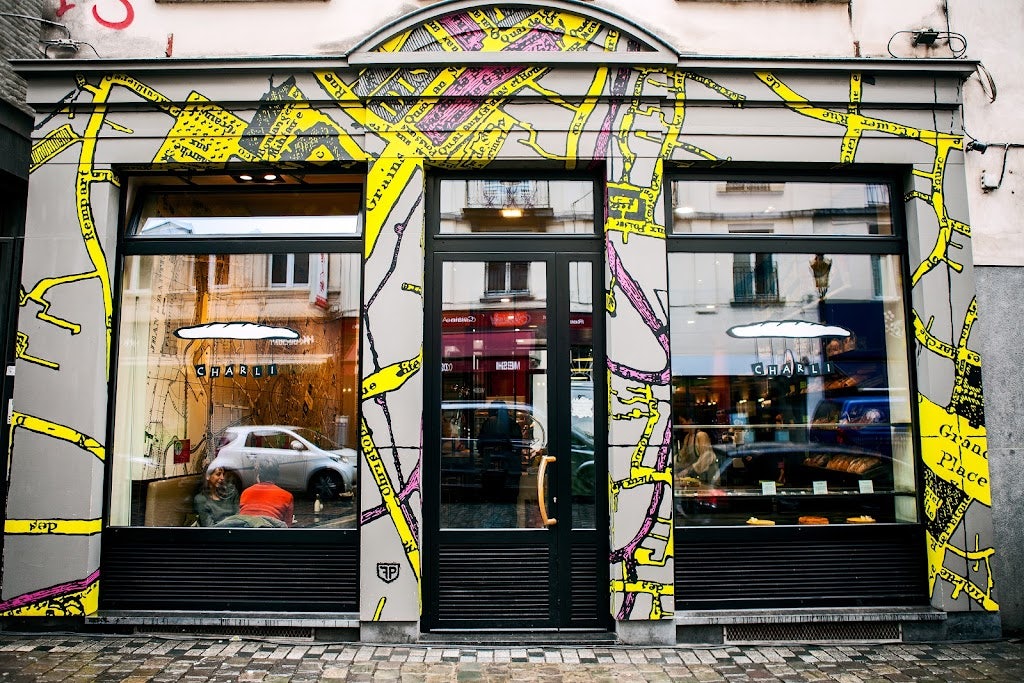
(129,16)
(64,7)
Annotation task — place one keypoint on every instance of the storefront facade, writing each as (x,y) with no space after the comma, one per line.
(723,306)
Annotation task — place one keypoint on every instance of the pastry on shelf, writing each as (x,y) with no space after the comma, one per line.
(687,481)
(861,519)
(811,519)
(754,521)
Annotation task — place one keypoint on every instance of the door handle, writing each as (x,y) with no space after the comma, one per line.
(541,497)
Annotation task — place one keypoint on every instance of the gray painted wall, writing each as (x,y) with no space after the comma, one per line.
(999,302)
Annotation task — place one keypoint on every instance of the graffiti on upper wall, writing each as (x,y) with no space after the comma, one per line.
(450,116)
(115,14)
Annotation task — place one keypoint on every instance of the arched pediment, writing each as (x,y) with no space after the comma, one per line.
(512,31)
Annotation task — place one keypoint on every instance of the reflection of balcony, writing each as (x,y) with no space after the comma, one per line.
(507,205)
(498,194)
(755,284)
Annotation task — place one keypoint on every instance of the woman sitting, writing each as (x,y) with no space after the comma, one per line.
(217,499)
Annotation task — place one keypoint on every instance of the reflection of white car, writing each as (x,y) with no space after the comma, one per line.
(308,460)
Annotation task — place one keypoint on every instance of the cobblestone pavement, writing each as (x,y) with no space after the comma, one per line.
(87,657)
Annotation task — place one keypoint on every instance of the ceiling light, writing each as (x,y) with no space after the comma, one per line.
(685,211)
(270,177)
(245,177)
(511,213)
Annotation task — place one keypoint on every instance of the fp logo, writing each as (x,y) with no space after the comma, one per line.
(387,571)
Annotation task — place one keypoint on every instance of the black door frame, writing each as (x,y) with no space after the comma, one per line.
(578,565)
(12,229)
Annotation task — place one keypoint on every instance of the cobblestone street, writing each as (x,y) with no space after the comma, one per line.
(138,658)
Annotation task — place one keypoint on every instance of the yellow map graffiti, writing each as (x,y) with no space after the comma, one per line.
(400,110)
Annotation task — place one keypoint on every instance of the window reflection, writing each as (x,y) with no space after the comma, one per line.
(516,206)
(781,208)
(494,427)
(228,383)
(790,407)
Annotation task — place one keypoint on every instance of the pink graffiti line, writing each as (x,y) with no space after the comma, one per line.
(463,30)
(627,553)
(635,296)
(604,137)
(447,115)
(47,593)
(410,487)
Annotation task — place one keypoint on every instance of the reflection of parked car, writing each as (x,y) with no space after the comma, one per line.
(308,460)
(462,421)
(799,464)
(581,444)
(859,421)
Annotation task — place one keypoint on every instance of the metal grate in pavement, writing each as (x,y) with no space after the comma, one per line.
(814,632)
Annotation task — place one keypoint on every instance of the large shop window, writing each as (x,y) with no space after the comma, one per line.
(790,376)
(237,372)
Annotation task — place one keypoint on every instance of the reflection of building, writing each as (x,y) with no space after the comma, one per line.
(305,380)
(585,232)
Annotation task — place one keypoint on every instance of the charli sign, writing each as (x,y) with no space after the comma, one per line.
(238,331)
(788,329)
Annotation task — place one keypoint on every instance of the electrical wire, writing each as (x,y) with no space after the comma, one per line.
(985,78)
(950,37)
(40,20)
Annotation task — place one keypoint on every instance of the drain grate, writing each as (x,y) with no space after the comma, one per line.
(293,632)
(815,632)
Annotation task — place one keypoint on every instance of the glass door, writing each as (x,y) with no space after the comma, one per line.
(512,467)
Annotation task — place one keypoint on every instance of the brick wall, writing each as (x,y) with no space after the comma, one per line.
(19,39)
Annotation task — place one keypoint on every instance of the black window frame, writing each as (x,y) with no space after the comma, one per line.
(897,178)
(131,244)
(838,550)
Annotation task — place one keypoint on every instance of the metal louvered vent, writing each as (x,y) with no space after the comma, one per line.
(875,632)
(800,567)
(588,592)
(240,569)
(477,582)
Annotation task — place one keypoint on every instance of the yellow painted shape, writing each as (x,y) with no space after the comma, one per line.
(388,179)
(389,496)
(52,144)
(77,603)
(391,377)
(57,431)
(204,132)
(955,451)
(53,527)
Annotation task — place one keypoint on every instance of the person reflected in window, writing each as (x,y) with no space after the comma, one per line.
(500,442)
(264,504)
(217,499)
(695,460)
